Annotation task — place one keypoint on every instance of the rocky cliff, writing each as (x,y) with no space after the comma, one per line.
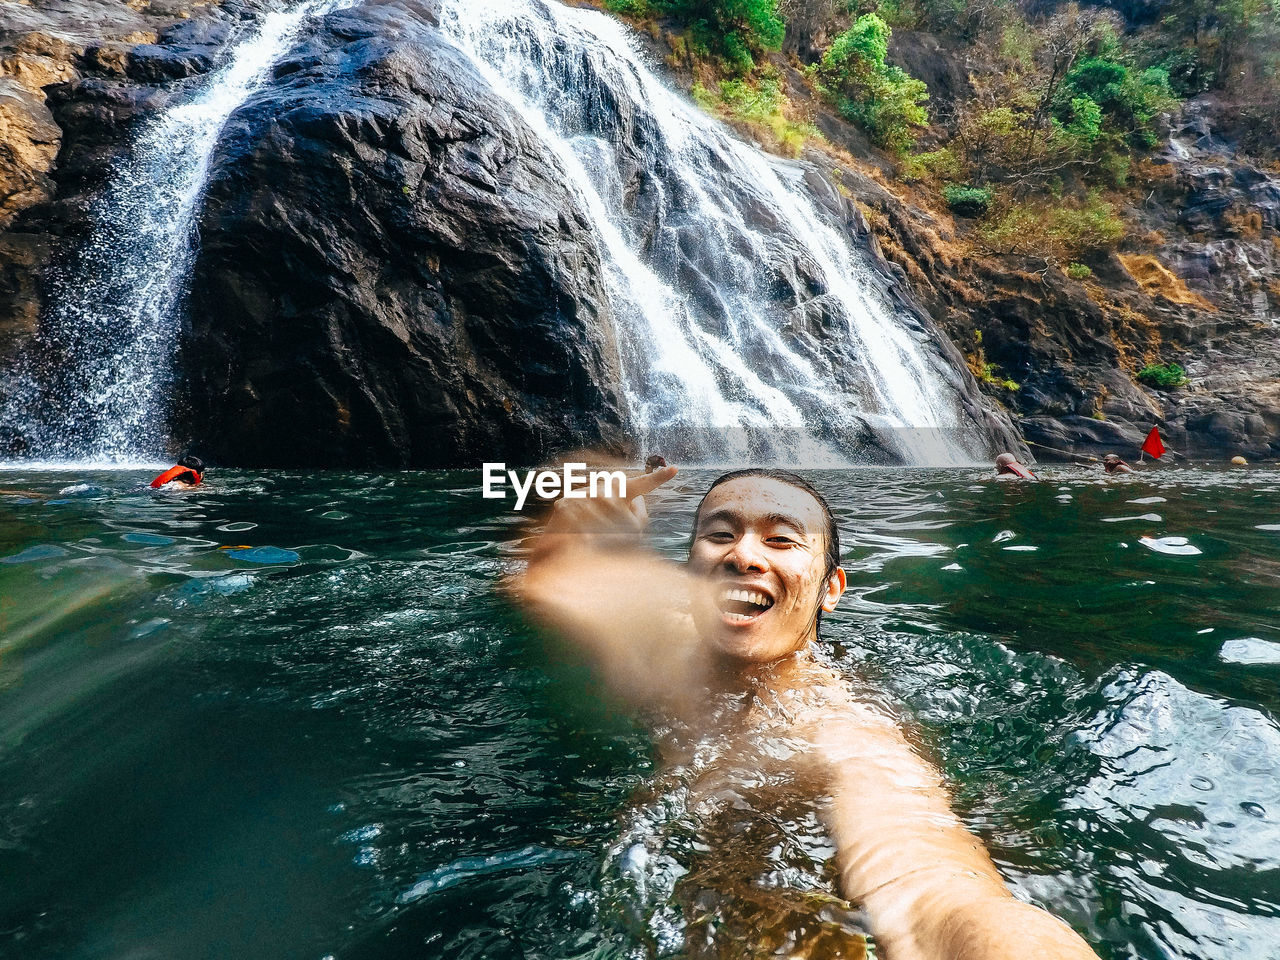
(75,75)
(391,272)
(1195,281)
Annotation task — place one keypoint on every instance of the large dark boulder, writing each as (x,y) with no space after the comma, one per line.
(392,270)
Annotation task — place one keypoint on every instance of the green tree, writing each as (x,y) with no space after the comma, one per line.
(1210,43)
(1085,123)
(736,30)
(1129,98)
(855,75)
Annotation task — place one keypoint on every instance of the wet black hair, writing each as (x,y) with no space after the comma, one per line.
(192,463)
(832,532)
(654,461)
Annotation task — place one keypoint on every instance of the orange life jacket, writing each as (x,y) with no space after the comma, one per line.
(185,474)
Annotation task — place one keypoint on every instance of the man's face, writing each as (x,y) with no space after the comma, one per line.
(762,544)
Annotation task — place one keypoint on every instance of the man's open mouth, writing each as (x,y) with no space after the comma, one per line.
(742,605)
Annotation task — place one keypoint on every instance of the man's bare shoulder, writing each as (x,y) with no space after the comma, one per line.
(824,708)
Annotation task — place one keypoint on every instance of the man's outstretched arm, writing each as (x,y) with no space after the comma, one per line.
(929,887)
(591,580)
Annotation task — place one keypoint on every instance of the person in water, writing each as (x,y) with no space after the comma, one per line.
(654,462)
(1008,466)
(188,472)
(763,566)
(1113,464)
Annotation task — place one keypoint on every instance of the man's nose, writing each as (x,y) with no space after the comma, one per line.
(747,554)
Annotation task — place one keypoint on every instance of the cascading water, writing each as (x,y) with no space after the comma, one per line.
(99,385)
(750,329)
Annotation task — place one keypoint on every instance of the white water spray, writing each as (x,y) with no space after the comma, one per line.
(717,262)
(114,324)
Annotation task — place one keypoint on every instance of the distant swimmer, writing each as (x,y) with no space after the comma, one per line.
(1113,464)
(654,462)
(1008,466)
(726,648)
(188,472)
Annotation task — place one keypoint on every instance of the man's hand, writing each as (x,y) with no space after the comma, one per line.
(591,581)
(599,523)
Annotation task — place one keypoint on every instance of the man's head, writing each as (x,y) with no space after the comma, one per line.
(1007,465)
(192,463)
(654,462)
(768,543)
(1111,462)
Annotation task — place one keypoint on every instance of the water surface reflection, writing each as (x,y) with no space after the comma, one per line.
(288,715)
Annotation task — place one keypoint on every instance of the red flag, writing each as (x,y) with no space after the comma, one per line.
(1152,444)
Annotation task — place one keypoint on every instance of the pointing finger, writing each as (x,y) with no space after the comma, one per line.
(649,481)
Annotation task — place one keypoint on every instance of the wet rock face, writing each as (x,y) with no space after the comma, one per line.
(29,141)
(1197,282)
(392,272)
(75,75)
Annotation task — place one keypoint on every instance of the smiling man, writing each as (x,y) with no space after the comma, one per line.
(737,626)
(766,607)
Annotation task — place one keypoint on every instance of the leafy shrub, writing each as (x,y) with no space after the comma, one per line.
(1090,226)
(1130,99)
(1052,231)
(1018,44)
(1001,145)
(1085,124)
(854,74)
(967,201)
(1079,271)
(1164,376)
(940,164)
(736,55)
(629,8)
(987,372)
(899,13)
(704,97)
(1205,45)
(733,29)
(751,102)
(758,104)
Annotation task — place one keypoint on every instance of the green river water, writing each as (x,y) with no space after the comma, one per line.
(290,715)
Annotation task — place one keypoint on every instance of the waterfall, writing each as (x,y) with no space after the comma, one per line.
(750,328)
(99,387)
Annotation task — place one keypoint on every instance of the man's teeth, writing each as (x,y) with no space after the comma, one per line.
(741,604)
(749,596)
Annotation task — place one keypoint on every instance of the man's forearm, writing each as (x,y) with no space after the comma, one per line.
(625,610)
(928,885)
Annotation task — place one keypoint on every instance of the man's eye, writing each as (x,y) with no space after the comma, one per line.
(781,541)
(720,536)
